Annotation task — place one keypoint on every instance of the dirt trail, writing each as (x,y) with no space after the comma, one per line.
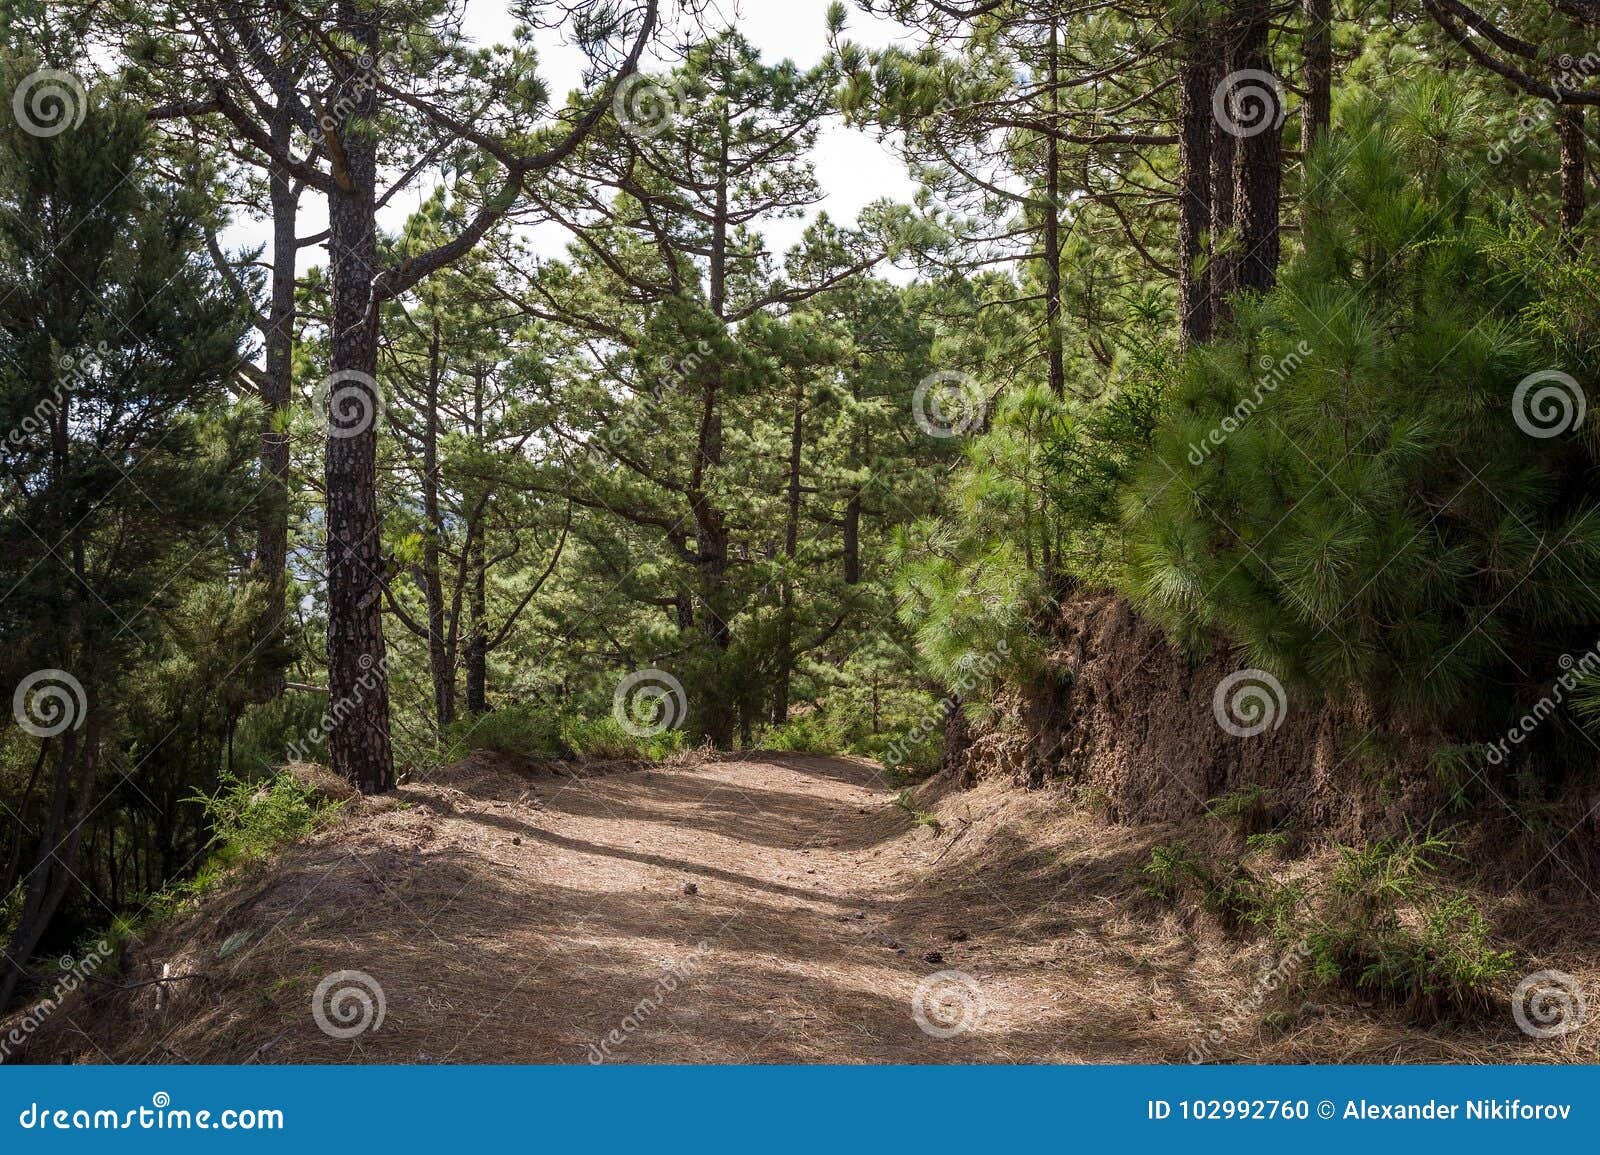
(738,911)
(774,908)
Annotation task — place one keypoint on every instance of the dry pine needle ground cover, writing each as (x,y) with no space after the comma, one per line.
(750,908)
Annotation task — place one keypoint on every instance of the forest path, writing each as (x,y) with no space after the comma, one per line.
(758,907)
(763,909)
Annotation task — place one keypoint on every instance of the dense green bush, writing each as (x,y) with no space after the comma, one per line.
(1341,486)
(605,737)
(523,728)
(252,817)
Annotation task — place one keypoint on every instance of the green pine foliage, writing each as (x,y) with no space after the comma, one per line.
(1339,487)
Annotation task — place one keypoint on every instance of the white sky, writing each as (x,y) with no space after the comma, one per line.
(853,167)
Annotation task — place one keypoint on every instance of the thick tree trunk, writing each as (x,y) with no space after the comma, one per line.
(358,680)
(272,541)
(1574,161)
(477,658)
(717,715)
(852,538)
(1196,80)
(1224,263)
(276,389)
(1258,186)
(711,540)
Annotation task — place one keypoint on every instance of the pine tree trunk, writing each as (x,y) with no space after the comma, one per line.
(272,544)
(477,594)
(358,681)
(1574,161)
(852,538)
(791,548)
(851,529)
(1224,263)
(1052,228)
(440,666)
(717,718)
(276,390)
(1196,80)
(1316,113)
(1257,188)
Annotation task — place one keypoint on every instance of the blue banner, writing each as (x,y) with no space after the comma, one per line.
(800,1109)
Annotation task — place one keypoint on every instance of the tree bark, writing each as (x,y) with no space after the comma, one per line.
(1258,186)
(272,541)
(477,594)
(358,682)
(791,548)
(1574,161)
(1316,113)
(852,537)
(717,719)
(1224,263)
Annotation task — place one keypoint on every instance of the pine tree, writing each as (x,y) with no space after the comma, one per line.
(124,465)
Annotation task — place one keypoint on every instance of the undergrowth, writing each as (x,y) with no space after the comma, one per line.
(1382,926)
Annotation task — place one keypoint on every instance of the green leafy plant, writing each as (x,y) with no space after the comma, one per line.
(252,818)
(920,817)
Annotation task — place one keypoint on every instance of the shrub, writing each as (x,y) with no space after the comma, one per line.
(1390,931)
(810,733)
(1368,505)
(605,738)
(525,728)
(251,818)
(1173,867)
